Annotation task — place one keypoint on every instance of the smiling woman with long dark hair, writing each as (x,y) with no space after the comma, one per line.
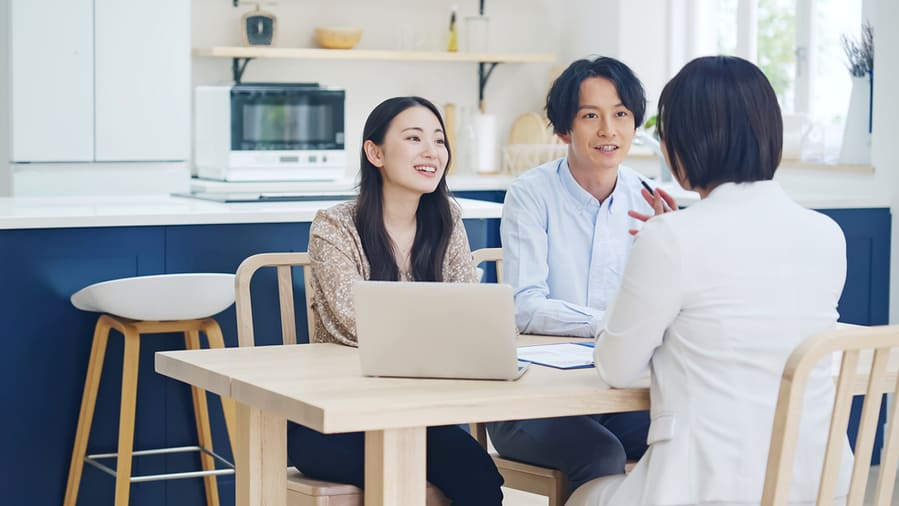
(402,227)
(434,219)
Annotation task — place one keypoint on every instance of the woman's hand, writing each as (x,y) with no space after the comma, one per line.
(661,201)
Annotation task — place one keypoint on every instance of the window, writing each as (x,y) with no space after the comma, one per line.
(797,44)
(780,53)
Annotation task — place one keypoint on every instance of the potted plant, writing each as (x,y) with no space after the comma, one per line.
(860,63)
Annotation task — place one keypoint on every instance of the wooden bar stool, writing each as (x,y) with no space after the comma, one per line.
(150,305)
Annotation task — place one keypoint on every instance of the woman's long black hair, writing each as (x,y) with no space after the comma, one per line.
(434,219)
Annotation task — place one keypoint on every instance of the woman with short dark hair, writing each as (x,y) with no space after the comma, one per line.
(720,120)
(714,299)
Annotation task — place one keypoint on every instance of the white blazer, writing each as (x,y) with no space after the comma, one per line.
(713,300)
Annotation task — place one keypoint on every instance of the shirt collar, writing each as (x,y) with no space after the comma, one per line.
(725,189)
(582,197)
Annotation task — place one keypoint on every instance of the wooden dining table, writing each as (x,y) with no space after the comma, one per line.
(321,386)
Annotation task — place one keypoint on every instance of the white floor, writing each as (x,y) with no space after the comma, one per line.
(872,484)
(519,498)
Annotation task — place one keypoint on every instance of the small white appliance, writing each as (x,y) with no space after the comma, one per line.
(269,132)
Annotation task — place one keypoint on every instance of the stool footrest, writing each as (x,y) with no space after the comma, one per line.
(93,460)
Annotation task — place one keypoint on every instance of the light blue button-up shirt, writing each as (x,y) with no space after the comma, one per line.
(564,251)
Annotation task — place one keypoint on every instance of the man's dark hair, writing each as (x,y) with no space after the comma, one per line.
(720,122)
(563,98)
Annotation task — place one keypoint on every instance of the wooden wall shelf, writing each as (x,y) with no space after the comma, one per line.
(371,54)
(240,56)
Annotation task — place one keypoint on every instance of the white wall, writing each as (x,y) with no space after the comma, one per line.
(519,26)
(634,32)
(643,38)
(884,156)
(5,105)
(589,28)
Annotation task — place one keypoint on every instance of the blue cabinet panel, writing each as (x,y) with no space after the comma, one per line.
(46,347)
(493,239)
(488,195)
(865,298)
(221,248)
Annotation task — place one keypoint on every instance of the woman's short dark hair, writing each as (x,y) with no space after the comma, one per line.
(720,122)
(563,99)
(434,216)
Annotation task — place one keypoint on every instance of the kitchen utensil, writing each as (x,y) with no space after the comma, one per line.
(476,34)
(257,27)
(485,131)
(530,128)
(449,120)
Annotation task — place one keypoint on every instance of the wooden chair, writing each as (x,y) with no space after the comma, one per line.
(301,490)
(518,475)
(857,345)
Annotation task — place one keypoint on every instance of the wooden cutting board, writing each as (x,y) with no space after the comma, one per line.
(530,128)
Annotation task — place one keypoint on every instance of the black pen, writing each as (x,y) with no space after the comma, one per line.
(652,192)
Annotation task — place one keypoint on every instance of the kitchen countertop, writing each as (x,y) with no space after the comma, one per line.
(456,182)
(129,211)
(812,189)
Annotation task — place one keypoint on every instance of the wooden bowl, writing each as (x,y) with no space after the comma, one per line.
(338,37)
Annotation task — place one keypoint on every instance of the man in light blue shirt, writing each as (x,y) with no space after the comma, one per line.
(563,250)
(566,231)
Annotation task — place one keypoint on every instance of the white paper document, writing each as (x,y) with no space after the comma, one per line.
(560,355)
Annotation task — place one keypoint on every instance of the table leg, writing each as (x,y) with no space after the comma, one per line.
(260,458)
(395,467)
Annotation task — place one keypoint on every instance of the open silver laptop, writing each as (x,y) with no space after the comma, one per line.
(436,330)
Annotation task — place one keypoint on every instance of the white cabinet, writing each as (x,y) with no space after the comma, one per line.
(142,73)
(51,82)
(99,80)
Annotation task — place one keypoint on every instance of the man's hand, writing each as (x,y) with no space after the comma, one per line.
(660,200)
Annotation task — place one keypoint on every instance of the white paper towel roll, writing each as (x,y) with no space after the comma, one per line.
(485,133)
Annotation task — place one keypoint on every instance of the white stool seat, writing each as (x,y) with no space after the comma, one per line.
(162,297)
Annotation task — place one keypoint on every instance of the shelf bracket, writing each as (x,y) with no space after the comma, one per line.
(483,76)
(237,68)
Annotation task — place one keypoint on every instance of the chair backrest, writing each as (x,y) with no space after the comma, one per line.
(490,255)
(284,262)
(858,373)
(479,430)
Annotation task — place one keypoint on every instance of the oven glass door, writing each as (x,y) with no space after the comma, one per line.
(285,117)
